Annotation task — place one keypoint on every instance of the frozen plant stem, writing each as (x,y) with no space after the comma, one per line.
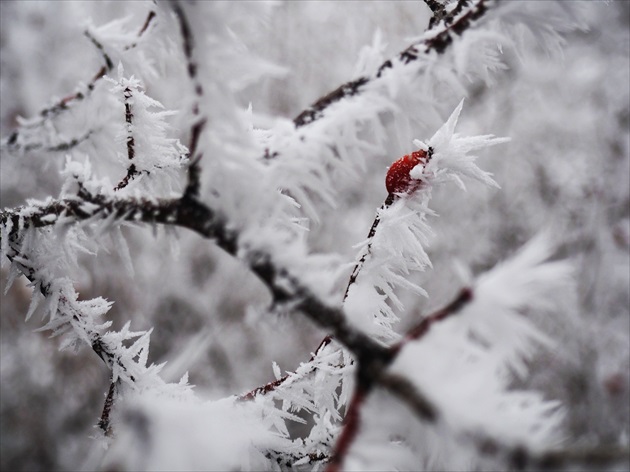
(104,422)
(357,268)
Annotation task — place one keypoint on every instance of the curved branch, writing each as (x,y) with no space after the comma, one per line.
(196,216)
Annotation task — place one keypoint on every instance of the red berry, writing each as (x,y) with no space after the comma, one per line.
(398,179)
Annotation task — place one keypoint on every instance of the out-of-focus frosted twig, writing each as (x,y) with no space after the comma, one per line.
(12,142)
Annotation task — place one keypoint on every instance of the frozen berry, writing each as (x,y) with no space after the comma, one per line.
(398,179)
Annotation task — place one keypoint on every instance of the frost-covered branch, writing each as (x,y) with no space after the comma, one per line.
(20,140)
(255,209)
(77,321)
(202,219)
(436,41)
(489,328)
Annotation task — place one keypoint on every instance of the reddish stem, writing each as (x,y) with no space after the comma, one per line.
(422,328)
(349,431)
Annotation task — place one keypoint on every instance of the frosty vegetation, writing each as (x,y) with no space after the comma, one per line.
(480,325)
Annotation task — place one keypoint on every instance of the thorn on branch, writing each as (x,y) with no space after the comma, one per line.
(132,172)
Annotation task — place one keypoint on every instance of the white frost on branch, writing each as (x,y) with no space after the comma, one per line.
(144,140)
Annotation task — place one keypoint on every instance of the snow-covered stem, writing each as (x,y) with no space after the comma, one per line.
(372,357)
(272,386)
(357,268)
(109,65)
(248,221)
(397,384)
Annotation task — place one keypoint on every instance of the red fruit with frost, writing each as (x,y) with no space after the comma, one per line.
(398,179)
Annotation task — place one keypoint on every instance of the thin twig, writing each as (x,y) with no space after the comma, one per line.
(438,11)
(104,422)
(359,265)
(108,60)
(66,102)
(194,168)
(59,147)
(464,297)
(350,429)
